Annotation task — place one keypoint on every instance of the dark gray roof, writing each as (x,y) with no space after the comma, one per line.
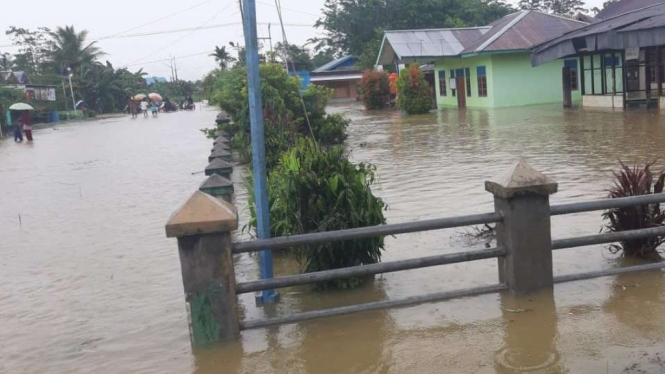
(20,76)
(624,6)
(522,31)
(643,27)
(517,31)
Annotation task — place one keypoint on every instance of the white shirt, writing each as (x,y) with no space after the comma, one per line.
(144,105)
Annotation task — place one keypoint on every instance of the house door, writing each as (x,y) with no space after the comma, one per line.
(461,92)
(632,76)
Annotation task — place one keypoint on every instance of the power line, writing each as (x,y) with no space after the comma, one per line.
(199,28)
(186,35)
(157,20)
(289,9)
(166,59)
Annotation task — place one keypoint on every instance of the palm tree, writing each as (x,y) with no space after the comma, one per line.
(70,49)
(6,62)
(222,57)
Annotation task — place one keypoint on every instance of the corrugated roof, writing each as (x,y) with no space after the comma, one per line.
(414,44)
(624,6)
(522,31)
(333,64)
(643,27)
(517,31)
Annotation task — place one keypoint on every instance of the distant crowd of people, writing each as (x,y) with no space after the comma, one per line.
(135,107)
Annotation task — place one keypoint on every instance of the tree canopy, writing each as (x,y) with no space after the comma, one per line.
(558,7)
(222,57)
(353,26)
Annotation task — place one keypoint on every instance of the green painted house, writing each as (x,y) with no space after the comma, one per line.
(488,66)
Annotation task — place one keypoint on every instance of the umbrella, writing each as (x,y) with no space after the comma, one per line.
(80,103)
(155,96)
(140,97)
(21,106)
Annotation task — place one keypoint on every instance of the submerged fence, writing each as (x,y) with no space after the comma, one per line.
(203,226)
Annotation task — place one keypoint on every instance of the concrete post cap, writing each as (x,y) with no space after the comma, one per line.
(220,147)
(520,179)
(220,139)
(216,180)
(202,214)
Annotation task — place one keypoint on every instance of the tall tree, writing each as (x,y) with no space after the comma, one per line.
(323,57)
(558,7)
(222,57)
(69,48)
(297,57)
(565,7)
(33,48)
(532,5)
(6,62)
(350,25)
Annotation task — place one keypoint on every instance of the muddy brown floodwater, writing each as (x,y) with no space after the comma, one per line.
(89,283)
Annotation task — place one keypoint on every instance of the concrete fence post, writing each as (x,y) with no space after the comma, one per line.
(203,227)
(521,195)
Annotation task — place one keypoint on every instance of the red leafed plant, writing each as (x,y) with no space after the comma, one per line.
(636,181)
(375,89)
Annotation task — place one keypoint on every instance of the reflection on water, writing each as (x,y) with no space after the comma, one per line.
(530,334)
(90,283)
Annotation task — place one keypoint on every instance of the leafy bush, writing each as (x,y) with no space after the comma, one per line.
(284,116)
(375,89)
(413,92)
(636,181)
(317,189)
(8,96)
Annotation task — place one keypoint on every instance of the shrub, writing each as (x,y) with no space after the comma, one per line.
(284,116)
(317,189)
(413,92)
(636,181)
(8,96)
(375,89)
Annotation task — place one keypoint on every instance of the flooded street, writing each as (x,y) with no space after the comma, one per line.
(90,283)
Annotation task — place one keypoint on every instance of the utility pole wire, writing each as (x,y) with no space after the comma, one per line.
(278,4)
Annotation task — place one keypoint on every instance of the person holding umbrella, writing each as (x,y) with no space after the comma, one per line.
(24,120)
(18,132)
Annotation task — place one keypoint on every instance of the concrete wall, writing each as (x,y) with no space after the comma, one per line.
(342,90)
(602,101)
(511,81)
(518,83)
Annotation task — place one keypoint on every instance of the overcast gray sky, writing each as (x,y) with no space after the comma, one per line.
(124,17)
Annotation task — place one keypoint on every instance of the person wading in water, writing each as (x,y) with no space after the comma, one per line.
(144,108)
(27,128)
(133,107)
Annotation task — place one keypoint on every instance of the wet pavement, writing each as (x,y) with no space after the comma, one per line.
(91,284)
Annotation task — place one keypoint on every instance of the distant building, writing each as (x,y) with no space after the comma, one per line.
(341,75)
(488,66)
(621,56)
(152,80)
(33,92)
(624,6)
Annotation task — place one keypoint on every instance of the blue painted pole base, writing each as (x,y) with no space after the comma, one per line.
(266,297)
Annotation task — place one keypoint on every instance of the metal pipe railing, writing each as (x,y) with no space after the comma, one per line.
(365,232)
(606,272)
(384,267)
(377,305)
(604,204)
(607,238)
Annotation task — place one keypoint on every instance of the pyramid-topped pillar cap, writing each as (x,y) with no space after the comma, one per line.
(202,214)
(521,179)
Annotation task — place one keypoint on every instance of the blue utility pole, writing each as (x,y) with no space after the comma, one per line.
(258,145)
